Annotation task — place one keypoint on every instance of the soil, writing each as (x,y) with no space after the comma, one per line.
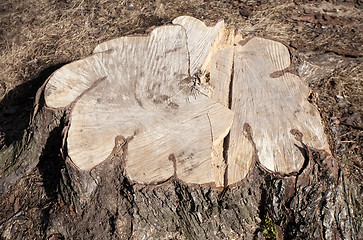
(37,37)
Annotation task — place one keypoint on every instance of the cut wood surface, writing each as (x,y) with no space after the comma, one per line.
(273,103)
(188,101)
(200,40)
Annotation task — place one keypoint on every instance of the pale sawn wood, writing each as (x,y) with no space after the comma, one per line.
(146,97)
(166,97)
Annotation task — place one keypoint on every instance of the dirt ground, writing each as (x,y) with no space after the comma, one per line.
(325,37)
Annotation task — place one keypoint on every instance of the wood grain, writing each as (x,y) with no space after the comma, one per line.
(273,106)
(200,40)
(142,100)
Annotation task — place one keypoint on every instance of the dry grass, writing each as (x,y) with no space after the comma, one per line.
(340,102)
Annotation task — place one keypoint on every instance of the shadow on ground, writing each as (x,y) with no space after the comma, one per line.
(17,107)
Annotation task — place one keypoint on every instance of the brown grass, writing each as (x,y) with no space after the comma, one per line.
(340,103)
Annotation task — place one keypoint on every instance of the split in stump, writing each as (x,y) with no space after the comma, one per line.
(188,101)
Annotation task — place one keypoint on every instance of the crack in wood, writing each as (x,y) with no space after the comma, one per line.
(211,129)
(226,140)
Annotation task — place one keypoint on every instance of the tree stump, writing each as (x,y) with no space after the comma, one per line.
(167,102)
(190,132)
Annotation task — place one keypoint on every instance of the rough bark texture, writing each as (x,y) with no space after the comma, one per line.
(316,203)
(40,200)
